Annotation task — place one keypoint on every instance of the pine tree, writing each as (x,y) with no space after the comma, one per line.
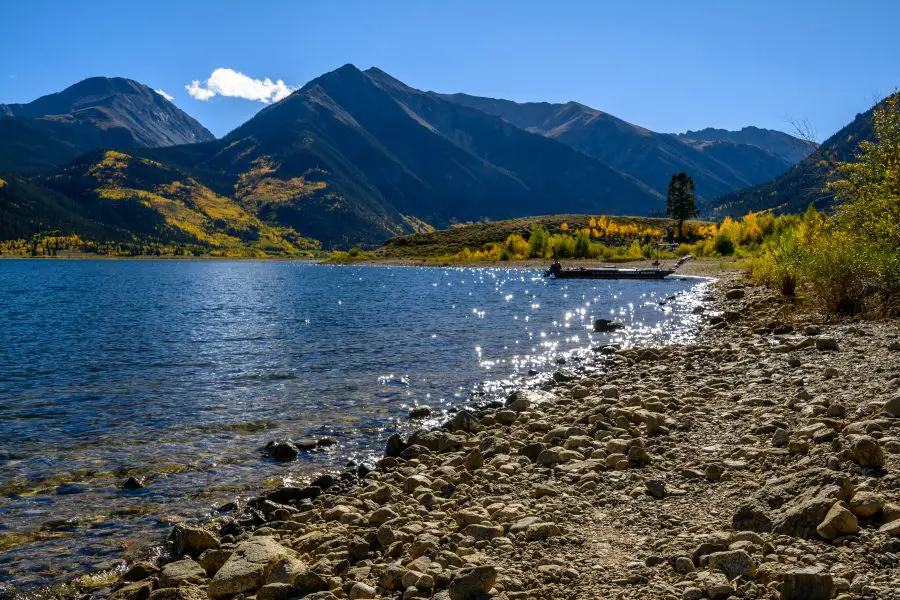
(680,202)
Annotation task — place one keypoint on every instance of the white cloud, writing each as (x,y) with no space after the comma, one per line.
(164,95)
(228,82)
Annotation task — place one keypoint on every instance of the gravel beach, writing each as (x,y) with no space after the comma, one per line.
(762,461)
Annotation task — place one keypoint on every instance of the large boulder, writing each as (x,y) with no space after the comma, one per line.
(794,505)
(248,567)
(892,406)
(465,421)
(807,584)
(188,592)
(524,400)
(839,521)
(866,504)
(192,541)
(733,563)
(395,445)
(133,591)
(292,495)
(436,441)
(866,452)
(282,450)
(181,572)
(607,325)
(472,582)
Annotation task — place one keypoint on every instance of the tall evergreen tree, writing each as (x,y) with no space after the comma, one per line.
(680,202)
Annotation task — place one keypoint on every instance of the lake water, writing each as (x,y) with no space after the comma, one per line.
(179,371)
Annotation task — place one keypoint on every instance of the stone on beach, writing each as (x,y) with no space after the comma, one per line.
(247,568)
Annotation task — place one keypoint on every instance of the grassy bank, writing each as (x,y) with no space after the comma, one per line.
(849,262)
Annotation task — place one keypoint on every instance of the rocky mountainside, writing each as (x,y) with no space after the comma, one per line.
(716,167)
(357,157)
(804,184)
(787,147)
(97,112)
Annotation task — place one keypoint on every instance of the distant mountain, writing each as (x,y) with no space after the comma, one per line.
(650,157)
(352,158)
(805,183)
(777,143)
(97,112)
(358,157)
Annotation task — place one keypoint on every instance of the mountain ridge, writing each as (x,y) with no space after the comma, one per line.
(648,156)
(790,148)
(351,158)
(805,183)
(384,153)
(111,112)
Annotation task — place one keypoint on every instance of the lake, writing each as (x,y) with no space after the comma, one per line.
(180,371)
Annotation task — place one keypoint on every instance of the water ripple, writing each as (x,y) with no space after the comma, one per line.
(180,371)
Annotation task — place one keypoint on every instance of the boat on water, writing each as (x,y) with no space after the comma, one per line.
(611,272)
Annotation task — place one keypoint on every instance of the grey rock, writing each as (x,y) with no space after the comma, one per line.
(866,451)
(275,591)
(419,412)
(465,421)
(361,590)
(733,563)
(283,450)
(826,344)
(607,325)
(247,568)
(181,572)
(806,585)
(472,582)
(837,522)
(192,541)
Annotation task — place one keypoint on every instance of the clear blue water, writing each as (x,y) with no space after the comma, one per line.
(179,371)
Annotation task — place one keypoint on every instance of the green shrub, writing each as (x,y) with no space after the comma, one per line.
(564,244)
(724,244)
(538,241)
(583,245)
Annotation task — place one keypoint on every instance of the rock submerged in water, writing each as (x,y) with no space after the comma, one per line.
(283,450)
(288,450)
(419,412)
(607,325)
(133,483)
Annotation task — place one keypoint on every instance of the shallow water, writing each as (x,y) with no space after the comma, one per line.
(179,371)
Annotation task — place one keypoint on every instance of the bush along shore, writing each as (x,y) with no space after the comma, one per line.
(761,461)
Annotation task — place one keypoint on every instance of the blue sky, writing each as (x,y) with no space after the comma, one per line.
(666,65)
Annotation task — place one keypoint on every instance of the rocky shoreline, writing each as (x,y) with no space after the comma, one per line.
(762,461)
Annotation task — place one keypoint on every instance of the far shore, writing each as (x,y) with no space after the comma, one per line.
(701,267)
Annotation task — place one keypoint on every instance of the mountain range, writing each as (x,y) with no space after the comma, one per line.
(97,112)
(717,166)
(805,183)
(353,157)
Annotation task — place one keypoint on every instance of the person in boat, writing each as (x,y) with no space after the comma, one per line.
(555,267)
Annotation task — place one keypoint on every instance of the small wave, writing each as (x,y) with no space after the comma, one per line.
(267,376)
(248,427)
(393,379)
